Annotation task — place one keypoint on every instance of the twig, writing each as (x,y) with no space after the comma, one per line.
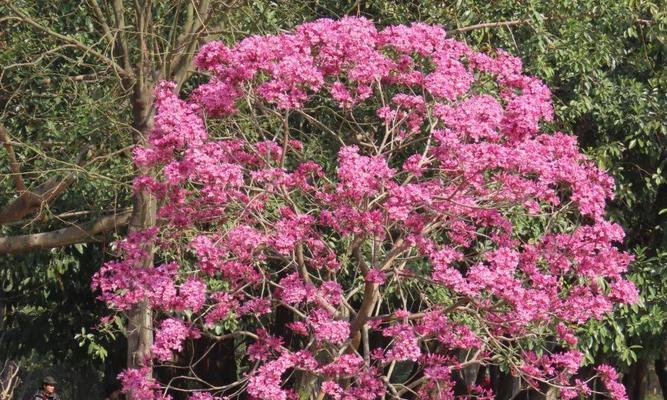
(488,25)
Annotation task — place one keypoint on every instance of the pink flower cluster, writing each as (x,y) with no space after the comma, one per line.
(140,384)
(328,329)
(170,337)
(406,344)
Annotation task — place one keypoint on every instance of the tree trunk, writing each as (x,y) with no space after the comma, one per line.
(636,380)
(140,317)
(505,386)
(661,372)
(139,335)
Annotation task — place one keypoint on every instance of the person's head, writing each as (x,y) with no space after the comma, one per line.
(49,384)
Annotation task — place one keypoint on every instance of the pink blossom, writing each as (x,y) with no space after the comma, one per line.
(609,378)
(406,345)
(193,294)
(139,384)
(327,329)
(169,338)
(266,383)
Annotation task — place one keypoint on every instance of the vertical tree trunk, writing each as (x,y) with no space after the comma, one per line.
(636,380)
(661,372)
(505,386)
(140,318)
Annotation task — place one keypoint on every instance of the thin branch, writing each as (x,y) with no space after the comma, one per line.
(13,163)
(488,25)
(515,22)
(29,20)
(102,20)
(62,237)
(398,248)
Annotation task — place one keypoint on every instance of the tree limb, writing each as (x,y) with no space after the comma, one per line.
(186,44)
(119,17)
(371,291)
(62,237)
(31,200)
(13,164)
(102,20)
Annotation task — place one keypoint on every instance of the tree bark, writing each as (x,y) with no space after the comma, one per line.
(505,386)
(636,380)
(32,200)
(661,372)
(144,208)
(83,233)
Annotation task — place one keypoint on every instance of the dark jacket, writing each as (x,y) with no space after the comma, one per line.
(40,395)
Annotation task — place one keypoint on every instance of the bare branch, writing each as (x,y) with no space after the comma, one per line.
(303,271)
(13,164)
(62,237)
(515,22)
(488,25)
(9,379)
(102,20)
(187,41)
(30,21)
(119,16)
(31,200)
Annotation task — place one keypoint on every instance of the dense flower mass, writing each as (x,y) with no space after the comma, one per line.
(379,198)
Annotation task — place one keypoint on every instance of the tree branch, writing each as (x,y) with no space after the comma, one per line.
(62,237)
(27,19)
(102,20)
(31,200)
(488,25)
(371,290)
(13,163)
(186,43)
(303,271)
(119,17)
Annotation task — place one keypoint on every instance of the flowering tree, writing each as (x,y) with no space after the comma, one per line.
(342,202)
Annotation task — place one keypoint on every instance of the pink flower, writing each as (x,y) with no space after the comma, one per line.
(266,383)
(609,378)
(327,329)
(406,345)
(169,338)
(139,384)
(375,276)
(193,294)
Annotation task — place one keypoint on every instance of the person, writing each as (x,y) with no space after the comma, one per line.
(48,390)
